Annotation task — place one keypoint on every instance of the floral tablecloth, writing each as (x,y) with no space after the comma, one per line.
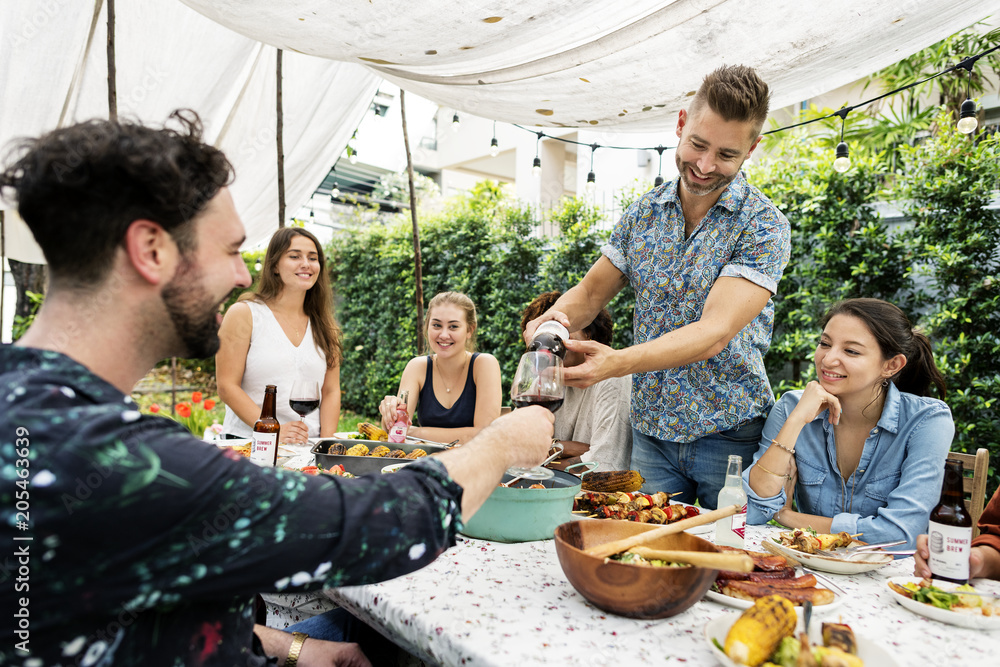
(488,603)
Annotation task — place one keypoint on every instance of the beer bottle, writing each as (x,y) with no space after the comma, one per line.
(264,448)
(950,533)
(730,530)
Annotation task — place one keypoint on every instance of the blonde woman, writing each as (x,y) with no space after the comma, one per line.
(282,331)
(455,389)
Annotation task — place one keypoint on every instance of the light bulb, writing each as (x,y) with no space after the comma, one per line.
(257,267)
(591,183)
(455,122)
(536,166)
(334,193)
(658,181)
(843,161)
(494,147)
(968,122)
(353,157)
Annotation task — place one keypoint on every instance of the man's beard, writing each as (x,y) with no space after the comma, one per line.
(193,312)
(700,189)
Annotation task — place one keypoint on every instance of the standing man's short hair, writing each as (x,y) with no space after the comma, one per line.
(736,93)
(79,188)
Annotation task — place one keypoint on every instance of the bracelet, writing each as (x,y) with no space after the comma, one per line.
(769,472)
(299,639)
(778,444)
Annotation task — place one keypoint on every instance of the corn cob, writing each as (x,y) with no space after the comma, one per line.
(380,451)
(416,454)
(357,450)
(372,432)
(756,634)
(615,480)
(337,450)
(397,454)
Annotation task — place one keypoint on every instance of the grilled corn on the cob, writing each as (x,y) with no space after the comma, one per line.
(416,454)
(614,480)
(380,451)
(372,432)
(755,635)
(357,450)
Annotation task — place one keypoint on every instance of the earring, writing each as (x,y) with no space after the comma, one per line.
(885,382)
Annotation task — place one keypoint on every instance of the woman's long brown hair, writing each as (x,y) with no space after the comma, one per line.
(319,299)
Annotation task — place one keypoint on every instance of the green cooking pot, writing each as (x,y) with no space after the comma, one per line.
(520,514)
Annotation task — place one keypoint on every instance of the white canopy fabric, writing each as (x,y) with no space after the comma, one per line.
(53,72)
(579,63)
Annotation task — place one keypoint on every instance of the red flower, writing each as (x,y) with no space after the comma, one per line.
(184,410)
(154,408)
(209,404)
(196,397)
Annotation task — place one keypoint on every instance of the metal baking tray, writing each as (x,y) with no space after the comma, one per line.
(364,465)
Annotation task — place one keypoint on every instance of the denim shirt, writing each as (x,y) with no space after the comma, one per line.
(742,236)
(896,484)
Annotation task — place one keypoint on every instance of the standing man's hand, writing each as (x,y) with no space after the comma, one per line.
(600,363)
(532,326)
(321,653)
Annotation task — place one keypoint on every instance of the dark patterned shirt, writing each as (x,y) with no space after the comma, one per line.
(126,541)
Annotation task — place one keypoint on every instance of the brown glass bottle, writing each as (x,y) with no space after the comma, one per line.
(949,536)
(264,448)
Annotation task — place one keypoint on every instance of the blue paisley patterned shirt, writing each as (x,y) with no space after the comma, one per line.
(146,545)
(744,236)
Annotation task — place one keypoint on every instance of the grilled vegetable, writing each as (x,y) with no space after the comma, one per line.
(792,590)
(831,656)
(380,451)
(416,454)
(614,480)
(756,634)
(372,432)
(397,454)
(357,450)
(840,636)
(337,450)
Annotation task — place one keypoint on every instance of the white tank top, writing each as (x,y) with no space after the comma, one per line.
(272,359)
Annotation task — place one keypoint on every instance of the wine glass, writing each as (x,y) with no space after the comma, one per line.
(538,381)
(304,397)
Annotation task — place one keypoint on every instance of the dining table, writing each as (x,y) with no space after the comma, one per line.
(493,603)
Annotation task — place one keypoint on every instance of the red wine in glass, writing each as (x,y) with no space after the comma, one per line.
(305,406)
(551,403)
(304,397)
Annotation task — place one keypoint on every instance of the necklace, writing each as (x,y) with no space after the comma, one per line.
(461,373)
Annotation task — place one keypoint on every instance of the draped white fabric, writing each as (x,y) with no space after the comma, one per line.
(53,72)
(579,63)
(628,64)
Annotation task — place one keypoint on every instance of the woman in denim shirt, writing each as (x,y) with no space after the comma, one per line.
(863,448)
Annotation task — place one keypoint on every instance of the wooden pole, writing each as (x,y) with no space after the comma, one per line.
(112,75)
(281,148)
(417,273)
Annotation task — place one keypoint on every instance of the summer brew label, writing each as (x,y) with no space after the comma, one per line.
(262,448)
(949,546)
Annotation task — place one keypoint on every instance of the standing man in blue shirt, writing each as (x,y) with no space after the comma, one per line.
(704,254)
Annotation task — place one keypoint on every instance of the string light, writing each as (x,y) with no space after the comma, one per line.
(536,164)
(494,146)
(659,172)
(455,122)
(352,154)
(967,121)
(591,178)
(334,192)
(843,161)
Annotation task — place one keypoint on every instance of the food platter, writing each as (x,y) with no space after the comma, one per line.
(960,618)
(864,562)
(716,630)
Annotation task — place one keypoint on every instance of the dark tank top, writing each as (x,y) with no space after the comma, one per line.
(430,412)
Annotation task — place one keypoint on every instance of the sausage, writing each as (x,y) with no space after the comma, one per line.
(783,573)
(761,559)
(750,590)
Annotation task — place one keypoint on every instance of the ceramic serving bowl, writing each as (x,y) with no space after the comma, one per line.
(634,591)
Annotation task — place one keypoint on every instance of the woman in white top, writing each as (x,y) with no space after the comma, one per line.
(282,331)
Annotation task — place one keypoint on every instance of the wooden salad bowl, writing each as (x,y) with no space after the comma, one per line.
(634,591)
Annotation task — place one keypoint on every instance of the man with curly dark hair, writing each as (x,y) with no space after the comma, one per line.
(144,545)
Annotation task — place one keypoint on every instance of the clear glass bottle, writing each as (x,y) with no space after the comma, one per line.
(949,535)
(730,531)
(264,446)
(397,433)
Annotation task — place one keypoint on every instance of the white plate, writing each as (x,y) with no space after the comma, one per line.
(345,435)
(963,619)
(861,563)
(838,599)
(871,653)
